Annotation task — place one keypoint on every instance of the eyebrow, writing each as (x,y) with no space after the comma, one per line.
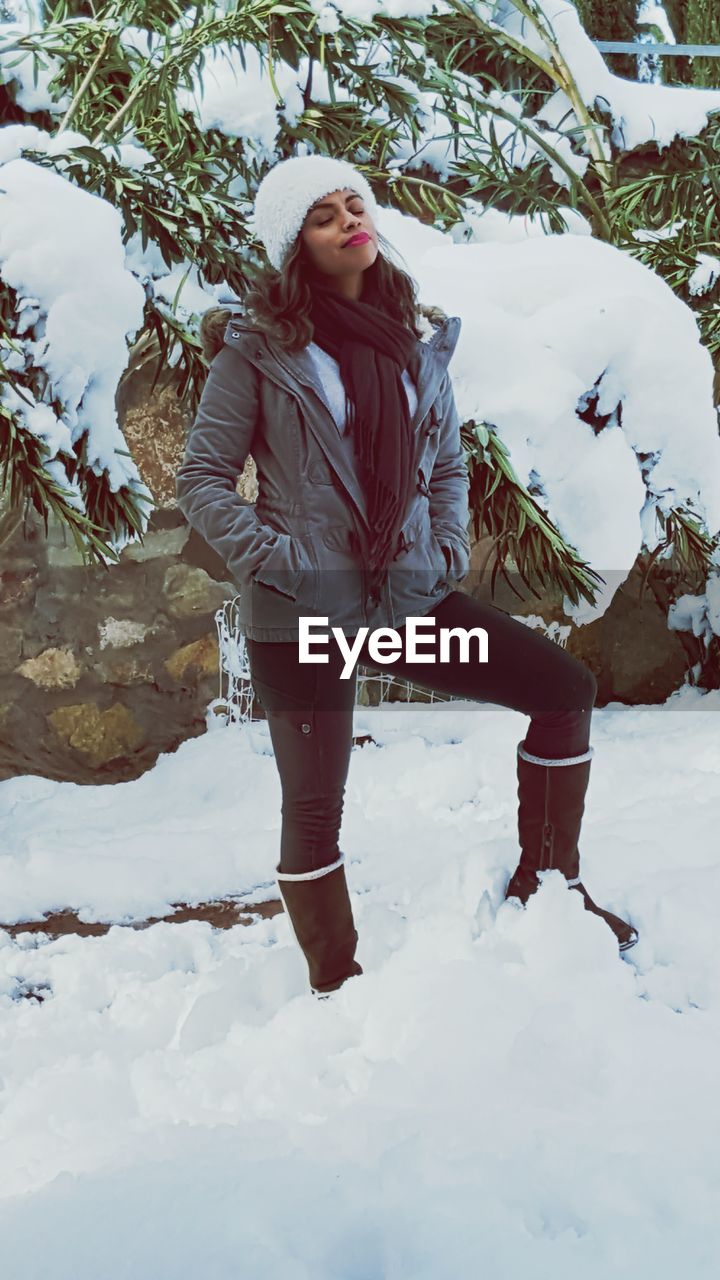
(354,195)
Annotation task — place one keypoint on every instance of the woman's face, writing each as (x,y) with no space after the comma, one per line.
(331,222)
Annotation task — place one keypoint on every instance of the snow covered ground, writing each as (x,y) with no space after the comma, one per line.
(500,1094)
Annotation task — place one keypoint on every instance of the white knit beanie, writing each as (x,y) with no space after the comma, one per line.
(290,188)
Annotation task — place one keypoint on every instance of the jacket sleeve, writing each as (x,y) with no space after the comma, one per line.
(217,447)
(449,484)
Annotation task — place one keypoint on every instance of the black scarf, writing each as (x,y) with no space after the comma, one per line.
(372,350)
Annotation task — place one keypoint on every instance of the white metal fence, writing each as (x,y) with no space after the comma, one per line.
(659,50)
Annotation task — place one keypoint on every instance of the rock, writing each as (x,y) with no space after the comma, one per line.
(630,649)
(11,647)
(124,669)
(162,542)
(98,735)
(17,586)
(202,655)
(189,591)
(121,633)
(52,669)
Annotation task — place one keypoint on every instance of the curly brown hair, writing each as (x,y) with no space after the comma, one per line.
(279,302)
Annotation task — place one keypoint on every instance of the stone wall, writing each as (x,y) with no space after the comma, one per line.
(101,670)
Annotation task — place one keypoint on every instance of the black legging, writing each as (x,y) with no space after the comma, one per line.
(310,711)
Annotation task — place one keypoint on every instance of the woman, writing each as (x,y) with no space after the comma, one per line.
(361,518)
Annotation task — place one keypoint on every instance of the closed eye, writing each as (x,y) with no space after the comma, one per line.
(326,220)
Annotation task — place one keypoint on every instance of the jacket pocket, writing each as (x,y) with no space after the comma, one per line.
(461,563)
(289,569)
(443,560)
(459,566)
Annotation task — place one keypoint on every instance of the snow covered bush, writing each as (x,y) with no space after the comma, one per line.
(62,257)
(591,371)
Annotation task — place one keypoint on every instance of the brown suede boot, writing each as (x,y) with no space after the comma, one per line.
(551,795)
(318,905)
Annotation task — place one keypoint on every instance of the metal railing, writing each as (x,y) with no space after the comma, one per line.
(659,50)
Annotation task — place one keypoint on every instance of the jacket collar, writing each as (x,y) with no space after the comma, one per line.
(296,373)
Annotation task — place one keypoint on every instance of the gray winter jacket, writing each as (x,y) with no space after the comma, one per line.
(290,552)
